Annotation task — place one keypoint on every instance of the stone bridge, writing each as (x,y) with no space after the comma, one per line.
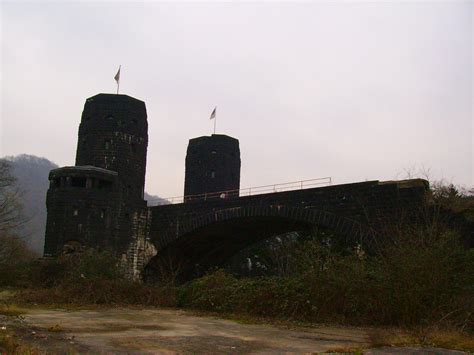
(204,234)
(98,202)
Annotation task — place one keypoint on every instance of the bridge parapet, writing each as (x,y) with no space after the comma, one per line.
(248,191)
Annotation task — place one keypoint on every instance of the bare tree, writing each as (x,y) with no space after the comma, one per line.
(11,216)
(13,250)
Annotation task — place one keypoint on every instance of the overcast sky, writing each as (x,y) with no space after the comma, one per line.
(352,90)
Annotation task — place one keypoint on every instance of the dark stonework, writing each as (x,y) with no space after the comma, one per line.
(99,202)
(212,165)
(113,135)
(82,209)
(207,233)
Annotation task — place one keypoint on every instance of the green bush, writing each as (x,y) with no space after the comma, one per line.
(263,296)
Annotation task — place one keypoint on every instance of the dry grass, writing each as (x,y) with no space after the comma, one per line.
(8,343)
(452,340)
(401,338)
(11,310)
(99,292)
(346,350)
(436,338)
(393,337)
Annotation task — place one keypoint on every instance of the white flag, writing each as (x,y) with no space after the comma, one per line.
(117,76)
(213,114)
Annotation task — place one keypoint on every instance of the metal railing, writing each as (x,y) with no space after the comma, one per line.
(249,191)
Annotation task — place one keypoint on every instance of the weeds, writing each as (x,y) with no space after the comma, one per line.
(104,292)
(346,350)
(8,343)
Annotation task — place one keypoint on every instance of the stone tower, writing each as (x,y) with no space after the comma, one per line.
(212,165)
(113,135)
(99,202)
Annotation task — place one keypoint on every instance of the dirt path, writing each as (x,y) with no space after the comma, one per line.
(126,330)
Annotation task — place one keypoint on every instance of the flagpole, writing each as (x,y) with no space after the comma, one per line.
(118,86)
(215,119)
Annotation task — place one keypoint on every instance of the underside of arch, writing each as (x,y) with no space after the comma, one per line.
(209,240)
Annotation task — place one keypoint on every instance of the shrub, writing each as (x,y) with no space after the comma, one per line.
(89,265)
(91,277)
(424,277)
(15,260)
(101,292)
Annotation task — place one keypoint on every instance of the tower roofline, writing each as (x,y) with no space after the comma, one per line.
(214,136)
(114,97)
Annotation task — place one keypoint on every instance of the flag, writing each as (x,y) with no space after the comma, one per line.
(117,76)
(213,114)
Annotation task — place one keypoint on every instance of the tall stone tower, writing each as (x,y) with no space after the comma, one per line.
(113,135)
(212,165)
(99,202)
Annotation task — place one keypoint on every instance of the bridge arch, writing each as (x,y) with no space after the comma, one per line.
(209,239)
(340,224)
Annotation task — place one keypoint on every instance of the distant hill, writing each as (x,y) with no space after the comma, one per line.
(32,173)
(154,200)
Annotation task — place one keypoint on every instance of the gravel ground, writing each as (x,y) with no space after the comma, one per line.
(165,331)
